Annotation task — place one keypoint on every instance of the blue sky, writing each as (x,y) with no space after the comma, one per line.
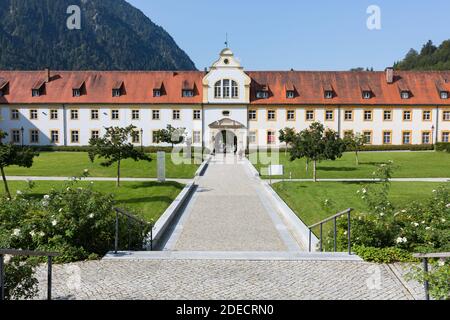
(304,35)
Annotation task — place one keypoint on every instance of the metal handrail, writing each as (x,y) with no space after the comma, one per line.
(425,257)
(30,253)
(130,217)
(334,218)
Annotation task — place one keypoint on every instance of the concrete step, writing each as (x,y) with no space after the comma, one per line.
(230,255)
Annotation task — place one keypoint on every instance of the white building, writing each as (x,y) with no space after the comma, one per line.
(226,104)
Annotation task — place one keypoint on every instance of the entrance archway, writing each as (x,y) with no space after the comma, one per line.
(226,141)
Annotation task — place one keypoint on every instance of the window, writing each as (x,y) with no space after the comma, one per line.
(74,136)
(155,138)
(262,94)
(252,115)
(225,89)
(328,94)
(446,136)
(329,115)
(53,114)
(156,93)
(226,113)
(33,114)
(95,134)
(14,114)
(15,136)
(252,137)
(34,136)
(234,89)
(407,115)
(290,94)
(271,138)
(387,115)
(196,137)
(426,115)
(74,114)
(444,94)
(218,90)
(135,114)
(387,137)
(368,115)
(446,116)
(367,137)
(54,136)
(94,114)
(76,92)
(176,115)
(309,115)
(155,114)
(406,138)
(348,133)
(197,115)
(290,115)
(426,137)
(405,94)
(116,92)
(136,136)
(348,115)
(367,94)
(187,93)
(35,93)
(271,115)
(114,114)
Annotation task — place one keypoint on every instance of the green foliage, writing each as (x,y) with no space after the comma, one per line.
(355,142)
(429,58)
(392,147)
(437,277)
(114,147)
(114,36)
(383,255)
(443,146)
(170,135)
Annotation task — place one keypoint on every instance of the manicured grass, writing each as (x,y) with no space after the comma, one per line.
(307,199)
(408,165)
(68,164)
(148,200)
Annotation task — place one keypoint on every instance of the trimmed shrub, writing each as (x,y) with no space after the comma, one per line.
(383,255)
(443,146)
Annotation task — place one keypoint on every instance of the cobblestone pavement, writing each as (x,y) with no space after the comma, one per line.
(228,214)
(230,280)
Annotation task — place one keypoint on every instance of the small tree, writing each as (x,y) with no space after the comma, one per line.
(114,147)
(11,155)
(287,136)
(355,142)
(317,144)
(171,135)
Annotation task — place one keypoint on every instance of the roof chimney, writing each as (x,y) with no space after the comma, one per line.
(47,74)
(390,75)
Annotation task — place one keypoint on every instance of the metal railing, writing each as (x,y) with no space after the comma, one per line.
(333,218)
(425,257)
(130,217)
(29,253)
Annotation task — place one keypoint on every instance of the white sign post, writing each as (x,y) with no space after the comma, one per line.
(161,166)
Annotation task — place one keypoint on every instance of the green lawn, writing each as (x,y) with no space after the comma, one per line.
(68,164)
(146,199)
(307,199)
(409,165)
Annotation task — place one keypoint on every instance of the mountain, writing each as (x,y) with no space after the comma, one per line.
(429,58)
(113,36)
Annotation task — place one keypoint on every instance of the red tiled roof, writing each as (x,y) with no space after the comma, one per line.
(347,87)
(310,86)
(98,86)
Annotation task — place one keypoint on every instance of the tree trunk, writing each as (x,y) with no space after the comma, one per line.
(357,159)
(286,150)
(315,171)
(307,165)
(118,174)
(5,183)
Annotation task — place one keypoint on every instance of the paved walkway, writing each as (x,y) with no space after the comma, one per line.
(229,212)
(227,280)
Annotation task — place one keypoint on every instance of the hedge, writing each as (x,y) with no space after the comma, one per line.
(443,146)
(86,149)
(410,147)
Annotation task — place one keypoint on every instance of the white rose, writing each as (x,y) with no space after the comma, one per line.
(16,232)
(91,215)
(46,197)
(54,223)
(19,192)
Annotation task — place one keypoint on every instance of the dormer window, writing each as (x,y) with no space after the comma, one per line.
(444,94)
(116,93)
(405,94)
(262,94)
(328,94)
(367,94)
(156,93)
(35,92)
(187,93)
(3,87)
(1,93)
(290,94)
(76,92)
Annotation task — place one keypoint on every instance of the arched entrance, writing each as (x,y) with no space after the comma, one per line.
(226,142)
